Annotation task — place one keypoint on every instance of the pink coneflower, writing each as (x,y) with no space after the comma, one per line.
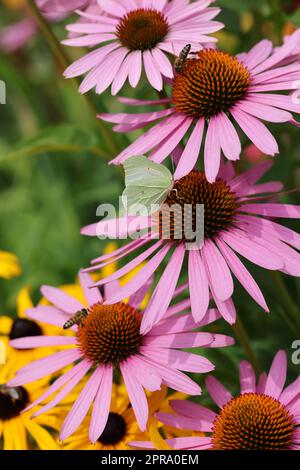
(108,340)
(217,91)
(264,416)
(58,9)
(15,36)
(234,223)
(138,33)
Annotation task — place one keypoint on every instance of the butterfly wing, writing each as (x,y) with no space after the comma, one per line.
(144,201)
(147,183)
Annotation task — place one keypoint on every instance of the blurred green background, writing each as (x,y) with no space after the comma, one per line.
(54,172)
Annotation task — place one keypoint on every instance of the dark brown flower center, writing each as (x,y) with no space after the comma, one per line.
(212,83)
(142,29)
(12,401)
(22,328)
(253,421)
(115,430)
(191,191)
(110,334)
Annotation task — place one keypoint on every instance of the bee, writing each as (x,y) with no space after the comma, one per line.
(77,319)
(181,60)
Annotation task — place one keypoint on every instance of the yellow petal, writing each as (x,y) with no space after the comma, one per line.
(9,265)
(5,325)
(111,268)
(158,441)
(42,437)
(19,434)
(24,302)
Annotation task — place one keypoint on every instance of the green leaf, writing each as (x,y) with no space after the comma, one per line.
(63,138)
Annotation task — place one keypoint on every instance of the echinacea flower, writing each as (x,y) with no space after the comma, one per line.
(236,222)
(17,430)
(132,34)
(264,416)
(9,265)
(211,95)
(16,35)
(108,340)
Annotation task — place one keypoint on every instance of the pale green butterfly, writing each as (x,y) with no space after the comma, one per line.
(147,184)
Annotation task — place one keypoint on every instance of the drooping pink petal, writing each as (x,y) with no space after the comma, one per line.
(191,151)
(148,377)
(178,359)
(256,131)
(137,298)
(262,111)
(280,54)
(242,274)
(228,137)
(136,395)
(212,151)
(182,422)
(258,54)
(29,342)
(169,144)
(260,388)
(164,291)
(131,265)
(117,228)
(219,273)
(101,406)
(288,211)
(174,378)
(251,251)
(277,375)
(153,73)
(88,61)
(136,68)
(180,340)
(151,138)
(140,278)
(42,367)
(290,392)
(112,7)
(217,391)
(93,296)
(47,314)
(111,288)
(82,404)
(221,341)
(247,378)
(61,299)
(198,284)
(193,410)
(163,63)
(226,309)
(70,385)
(79,370)
(269,226)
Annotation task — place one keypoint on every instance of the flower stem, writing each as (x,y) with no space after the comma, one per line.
(64,61)
(278,18)
(242,336)
(289,310)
